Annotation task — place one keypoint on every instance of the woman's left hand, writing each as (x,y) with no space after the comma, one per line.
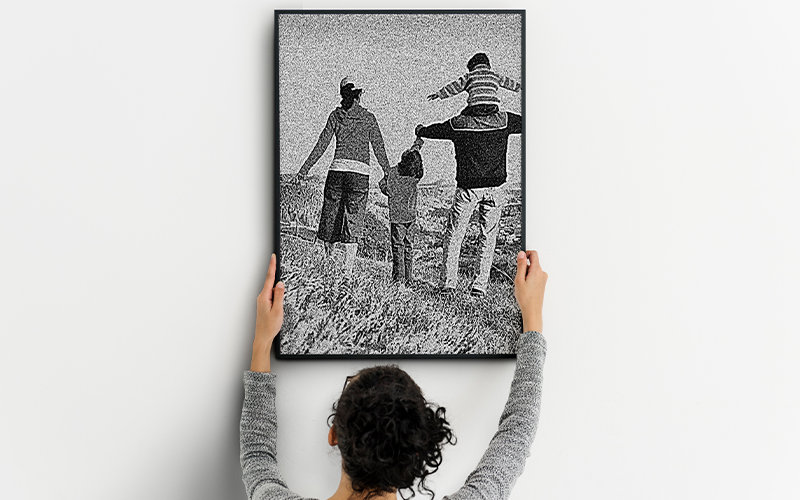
(269,319)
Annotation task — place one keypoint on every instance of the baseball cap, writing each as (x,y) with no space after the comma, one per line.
(349,80)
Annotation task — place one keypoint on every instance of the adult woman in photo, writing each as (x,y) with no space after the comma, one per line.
(347,182)
(390,438)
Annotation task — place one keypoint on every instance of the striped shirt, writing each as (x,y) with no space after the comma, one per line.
(481,85)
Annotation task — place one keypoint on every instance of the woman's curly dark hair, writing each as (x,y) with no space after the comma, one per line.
(388,434)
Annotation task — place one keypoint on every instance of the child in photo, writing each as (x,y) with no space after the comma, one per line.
(480,84)
(400,185)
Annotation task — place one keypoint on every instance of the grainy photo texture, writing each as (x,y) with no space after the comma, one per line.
(400,167)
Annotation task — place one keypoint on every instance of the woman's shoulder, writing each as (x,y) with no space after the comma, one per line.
(370,115)
(364,112)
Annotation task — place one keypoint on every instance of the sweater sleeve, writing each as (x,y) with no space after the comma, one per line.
(322,144)
(258,432)
(378,147)
(509,83)
(504,460)
(384,184)
(437,131)
(454,88)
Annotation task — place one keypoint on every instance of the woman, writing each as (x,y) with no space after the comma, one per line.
(388,435)
(347,182)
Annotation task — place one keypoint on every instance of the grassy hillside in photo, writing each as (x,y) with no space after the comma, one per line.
(366,313)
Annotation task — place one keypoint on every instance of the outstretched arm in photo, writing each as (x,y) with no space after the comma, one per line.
(322,144)
(378,147)
(451,89)
(509,83)
(436,131)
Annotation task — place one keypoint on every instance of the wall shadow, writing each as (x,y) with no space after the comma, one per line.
(218,473)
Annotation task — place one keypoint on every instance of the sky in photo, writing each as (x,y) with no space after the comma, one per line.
(399,60)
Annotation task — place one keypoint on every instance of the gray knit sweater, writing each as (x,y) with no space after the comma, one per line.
(493,478)
(355,129)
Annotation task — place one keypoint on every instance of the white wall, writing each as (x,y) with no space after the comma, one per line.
(136,222)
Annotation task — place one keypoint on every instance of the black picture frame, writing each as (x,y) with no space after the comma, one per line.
(285,353)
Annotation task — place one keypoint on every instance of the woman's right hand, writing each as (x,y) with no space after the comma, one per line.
(529,290)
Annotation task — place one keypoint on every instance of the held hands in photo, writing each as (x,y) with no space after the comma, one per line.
(269,318)
(529,290)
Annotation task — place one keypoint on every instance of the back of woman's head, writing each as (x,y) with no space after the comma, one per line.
(388,434)
(349,95)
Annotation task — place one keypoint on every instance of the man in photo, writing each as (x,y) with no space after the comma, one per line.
(481,144)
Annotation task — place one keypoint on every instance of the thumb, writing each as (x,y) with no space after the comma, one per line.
(277,296)
(522,266)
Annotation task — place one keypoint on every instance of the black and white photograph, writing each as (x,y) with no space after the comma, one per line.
(400,177)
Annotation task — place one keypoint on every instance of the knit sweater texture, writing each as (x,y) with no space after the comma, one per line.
(493,478)
(481,146)
(481,85)
(355,129)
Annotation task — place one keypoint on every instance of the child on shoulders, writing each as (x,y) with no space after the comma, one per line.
(481,84)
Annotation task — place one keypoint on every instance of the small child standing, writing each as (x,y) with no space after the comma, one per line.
(481,84)
(400,185)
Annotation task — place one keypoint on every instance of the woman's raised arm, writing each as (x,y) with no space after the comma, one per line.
(504,459)
(269,319)
(258,429)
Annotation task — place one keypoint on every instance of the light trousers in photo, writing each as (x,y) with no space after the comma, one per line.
(490,202)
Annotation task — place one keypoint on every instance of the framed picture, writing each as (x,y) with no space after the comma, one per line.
(399,181)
